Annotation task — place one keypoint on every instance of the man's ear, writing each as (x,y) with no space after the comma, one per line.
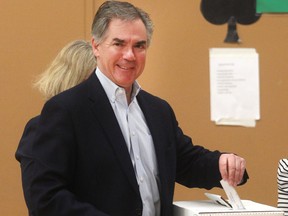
(95,47)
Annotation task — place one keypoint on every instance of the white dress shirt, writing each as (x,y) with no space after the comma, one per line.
(139,142)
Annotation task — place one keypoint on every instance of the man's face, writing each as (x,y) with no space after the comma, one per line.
(121,55)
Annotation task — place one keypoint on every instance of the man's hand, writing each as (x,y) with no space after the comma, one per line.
(232,168)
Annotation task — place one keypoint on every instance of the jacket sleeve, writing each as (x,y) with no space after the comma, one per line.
(197,166)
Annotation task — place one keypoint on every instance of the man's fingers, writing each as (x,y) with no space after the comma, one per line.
(223,166)
(232,168)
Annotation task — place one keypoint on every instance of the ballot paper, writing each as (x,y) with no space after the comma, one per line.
(234,86)
(219,200)
(233,202)
(232,195)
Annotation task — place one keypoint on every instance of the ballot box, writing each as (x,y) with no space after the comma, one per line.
(212,208)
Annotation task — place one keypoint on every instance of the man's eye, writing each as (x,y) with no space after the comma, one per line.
(140,46)
(118,44)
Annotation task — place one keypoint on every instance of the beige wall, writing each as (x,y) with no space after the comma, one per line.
(32,32)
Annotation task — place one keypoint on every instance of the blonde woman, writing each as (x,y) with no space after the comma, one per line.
(73,64)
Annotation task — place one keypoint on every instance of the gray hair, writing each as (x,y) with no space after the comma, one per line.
(118,10)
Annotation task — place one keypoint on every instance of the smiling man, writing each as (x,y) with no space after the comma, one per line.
(122,53)
(107,147)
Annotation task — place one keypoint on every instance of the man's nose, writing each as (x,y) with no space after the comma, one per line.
(128,54)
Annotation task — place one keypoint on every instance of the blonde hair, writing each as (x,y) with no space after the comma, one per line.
(72,65)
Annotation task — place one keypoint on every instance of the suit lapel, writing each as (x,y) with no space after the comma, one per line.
(106,117)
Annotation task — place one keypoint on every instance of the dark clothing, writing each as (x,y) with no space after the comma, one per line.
(82,165)
(24,156)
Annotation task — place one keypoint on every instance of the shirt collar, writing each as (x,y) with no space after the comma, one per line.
(112,90)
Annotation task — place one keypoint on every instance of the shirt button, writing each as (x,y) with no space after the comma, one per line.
(137,157)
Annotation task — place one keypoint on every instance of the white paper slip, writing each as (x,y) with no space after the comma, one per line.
(232,195)
(218,199)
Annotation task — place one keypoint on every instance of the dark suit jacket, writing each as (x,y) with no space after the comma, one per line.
(24,156)
(82,164)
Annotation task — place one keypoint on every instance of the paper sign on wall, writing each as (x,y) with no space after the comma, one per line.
(234,86)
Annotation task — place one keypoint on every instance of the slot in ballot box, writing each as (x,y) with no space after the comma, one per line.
(210,208)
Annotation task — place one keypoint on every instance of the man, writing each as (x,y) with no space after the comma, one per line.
(107,147)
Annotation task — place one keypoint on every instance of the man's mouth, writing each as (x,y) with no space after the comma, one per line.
(125,67)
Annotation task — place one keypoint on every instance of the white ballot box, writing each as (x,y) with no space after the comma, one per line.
(211,208)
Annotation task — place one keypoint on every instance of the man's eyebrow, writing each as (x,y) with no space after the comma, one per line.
(118,40)
(141,42)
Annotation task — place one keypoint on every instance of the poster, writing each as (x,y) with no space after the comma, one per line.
(234,86)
